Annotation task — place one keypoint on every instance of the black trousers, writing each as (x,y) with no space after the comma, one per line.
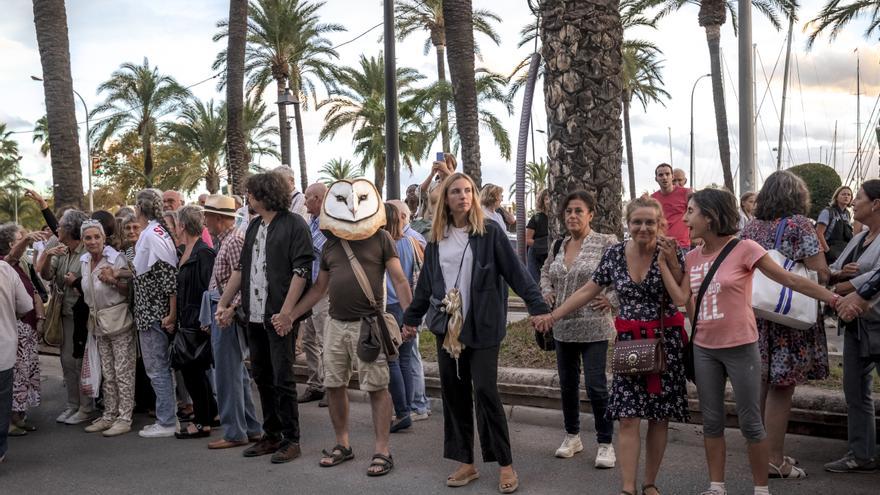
(473,382)
(204,406)
(272,359)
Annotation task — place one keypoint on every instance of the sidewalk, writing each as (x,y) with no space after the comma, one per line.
(64,459)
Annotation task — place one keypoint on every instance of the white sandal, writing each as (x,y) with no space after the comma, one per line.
(795,472)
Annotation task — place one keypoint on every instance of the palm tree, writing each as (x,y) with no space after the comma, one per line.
(202,130)
(582,63)
(835,15)
(138,96)
(41,134)
(50,20)
(286,44)
(338,169)
(259,134)
(490,90)
(358,102)
(236,145)
(536,178)
(8,146)
(711,16)
(427,15)
(458,16)
(641,80)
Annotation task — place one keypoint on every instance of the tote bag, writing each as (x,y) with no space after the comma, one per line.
(777,303)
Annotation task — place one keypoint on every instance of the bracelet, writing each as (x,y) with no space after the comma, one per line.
(834,300)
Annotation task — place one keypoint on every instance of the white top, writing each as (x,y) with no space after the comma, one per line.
(450,250)
(105,295)
(298,205)
(259,285)
(241,219)
(154,244)
(14,301)
(494,215)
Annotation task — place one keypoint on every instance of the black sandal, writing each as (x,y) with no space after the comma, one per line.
(383,461)
(200,432)
(645,488)
(337,455)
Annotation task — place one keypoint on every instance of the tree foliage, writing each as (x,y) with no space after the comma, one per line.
(821,180)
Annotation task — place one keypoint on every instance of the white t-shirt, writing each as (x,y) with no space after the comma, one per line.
(494,215)
(450,250)
(14,301)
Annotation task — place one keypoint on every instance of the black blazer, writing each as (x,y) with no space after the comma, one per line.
(288,250)
(193,278)
(495,263)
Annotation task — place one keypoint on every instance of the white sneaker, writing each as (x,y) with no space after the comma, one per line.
(420,416)
(78,417)
(156,430)
(65,414)
(605,458)
(99,424)
(119,427)
(571,445)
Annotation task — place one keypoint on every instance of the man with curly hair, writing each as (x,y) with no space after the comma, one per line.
(273,272)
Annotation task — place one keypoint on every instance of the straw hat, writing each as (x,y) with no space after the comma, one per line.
(220,205)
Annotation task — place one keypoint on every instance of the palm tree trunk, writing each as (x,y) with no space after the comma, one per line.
(631,169)
(50,20)
(522,143)
(458,16)
(444,109)
(713,38)
(300,146)
(236,143)
(283,126)
(379,174)
(583,92)
(212,179)
(147,145)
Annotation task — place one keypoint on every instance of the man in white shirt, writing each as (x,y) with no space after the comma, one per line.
(14,301)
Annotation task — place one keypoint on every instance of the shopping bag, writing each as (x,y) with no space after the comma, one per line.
(90,376)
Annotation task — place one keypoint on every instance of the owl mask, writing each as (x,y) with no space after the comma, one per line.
(352,210)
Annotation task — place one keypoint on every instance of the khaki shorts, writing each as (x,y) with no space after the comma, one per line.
(340,353)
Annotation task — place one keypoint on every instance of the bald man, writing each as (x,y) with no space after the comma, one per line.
(679,177)
(313,328)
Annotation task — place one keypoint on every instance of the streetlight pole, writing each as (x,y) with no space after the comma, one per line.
(693,180)
(746,101)
(88,147)
(392,143)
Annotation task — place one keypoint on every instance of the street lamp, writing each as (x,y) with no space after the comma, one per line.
(693,180)
(286,97)
(88,148)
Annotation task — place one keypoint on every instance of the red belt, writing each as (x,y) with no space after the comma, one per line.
(635,327)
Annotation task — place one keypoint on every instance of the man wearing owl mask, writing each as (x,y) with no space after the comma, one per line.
(273,272)
(353,213)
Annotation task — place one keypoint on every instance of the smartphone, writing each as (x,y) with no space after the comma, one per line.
(440,156)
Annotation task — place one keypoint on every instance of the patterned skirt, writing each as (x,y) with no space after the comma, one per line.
(26,373)
(629,396)
(792,357)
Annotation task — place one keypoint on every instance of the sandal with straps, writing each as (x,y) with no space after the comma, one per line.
(775,471)
(385,462)
(649,486)
(337,455)
(463,478)
(508,484)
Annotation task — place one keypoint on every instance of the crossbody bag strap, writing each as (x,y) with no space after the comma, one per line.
(359,274)
(461,263)
(705,285)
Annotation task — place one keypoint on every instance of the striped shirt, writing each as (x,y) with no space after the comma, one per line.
(318,241)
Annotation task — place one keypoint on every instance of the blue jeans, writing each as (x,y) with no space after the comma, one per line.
(233,384)
(401,384)
(5,407)
(420,403)
(157,362)
(569,356)
(534,264)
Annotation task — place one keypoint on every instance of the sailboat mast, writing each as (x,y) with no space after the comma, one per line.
(858,120)
(784,93)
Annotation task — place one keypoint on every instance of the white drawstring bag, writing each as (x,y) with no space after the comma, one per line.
(777,303)
(90,376)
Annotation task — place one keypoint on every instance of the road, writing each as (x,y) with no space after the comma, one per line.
(64,459)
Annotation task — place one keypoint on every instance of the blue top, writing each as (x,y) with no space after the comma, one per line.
(407,259)
(318,241)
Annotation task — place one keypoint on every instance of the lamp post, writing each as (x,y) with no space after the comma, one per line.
(286,97)
(693,181)
(88,147)
(392,141)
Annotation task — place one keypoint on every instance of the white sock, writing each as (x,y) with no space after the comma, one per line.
(762,490)
(718,487)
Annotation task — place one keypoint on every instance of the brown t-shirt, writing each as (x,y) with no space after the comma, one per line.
(347,300)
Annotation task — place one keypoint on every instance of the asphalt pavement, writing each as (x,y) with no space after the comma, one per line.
(64,459)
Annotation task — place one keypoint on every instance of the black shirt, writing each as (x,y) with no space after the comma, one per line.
(540,224)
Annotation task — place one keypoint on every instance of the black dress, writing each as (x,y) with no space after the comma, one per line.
(629,394)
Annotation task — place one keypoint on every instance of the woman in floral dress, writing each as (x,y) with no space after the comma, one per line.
(789,357)
(632,269)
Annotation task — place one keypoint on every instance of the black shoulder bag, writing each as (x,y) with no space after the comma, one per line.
(689,347)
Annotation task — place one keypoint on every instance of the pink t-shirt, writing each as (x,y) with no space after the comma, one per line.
(726,316)
(674,207)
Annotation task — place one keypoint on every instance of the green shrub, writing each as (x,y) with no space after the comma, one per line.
(821,180)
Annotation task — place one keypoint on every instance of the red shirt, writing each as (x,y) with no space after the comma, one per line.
(674,207)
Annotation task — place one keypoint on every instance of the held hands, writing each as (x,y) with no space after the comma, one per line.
(409,332)
(851,306)
(668,251)
(169,323)
(543,323)
(283,323)
(223,315)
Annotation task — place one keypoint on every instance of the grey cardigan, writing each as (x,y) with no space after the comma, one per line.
(869,261)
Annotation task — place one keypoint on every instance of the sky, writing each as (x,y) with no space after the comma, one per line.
(176,37)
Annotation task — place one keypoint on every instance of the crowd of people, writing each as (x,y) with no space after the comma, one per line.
(183,305)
